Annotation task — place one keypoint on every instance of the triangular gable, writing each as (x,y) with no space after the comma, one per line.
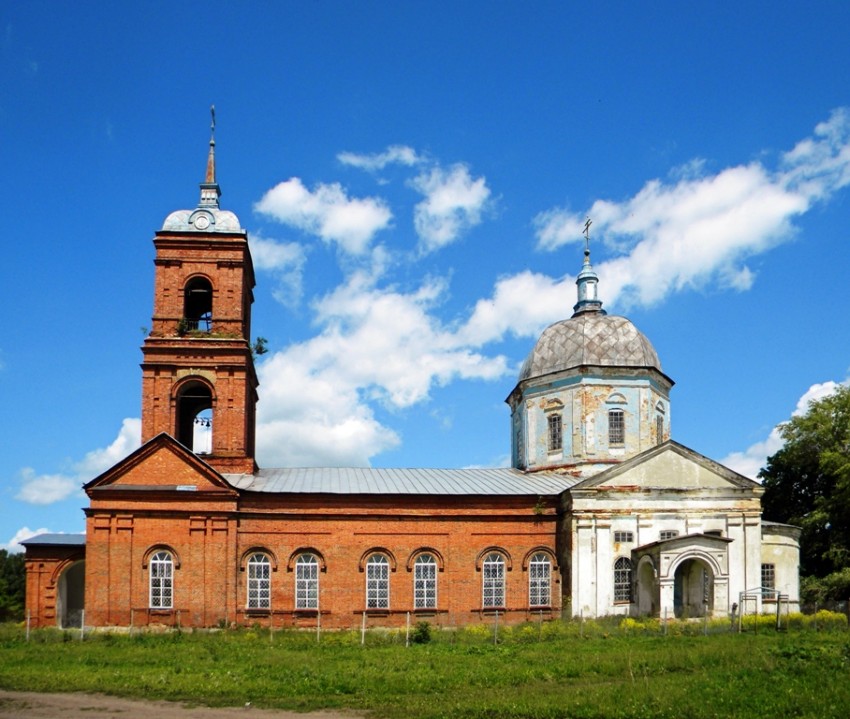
(162,463)
(669,466)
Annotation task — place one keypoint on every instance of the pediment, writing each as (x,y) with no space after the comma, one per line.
(669,466)
(161,464)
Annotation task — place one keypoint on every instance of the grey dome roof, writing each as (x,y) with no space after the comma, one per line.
(589,338)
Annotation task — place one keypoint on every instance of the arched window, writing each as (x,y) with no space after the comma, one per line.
(377,582)
(493,575)
(307,582)
(623,580)
(259,581)
(556,440)
(659,423)
(425,582)
(616,427)
(161,581)
(197,304)
(540,580)
(193,420)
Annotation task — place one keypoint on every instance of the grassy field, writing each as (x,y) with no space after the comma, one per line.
(532,672)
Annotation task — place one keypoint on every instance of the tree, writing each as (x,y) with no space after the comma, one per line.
(12,586)
(807,483)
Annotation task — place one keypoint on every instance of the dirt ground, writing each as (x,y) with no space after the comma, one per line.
(23,705)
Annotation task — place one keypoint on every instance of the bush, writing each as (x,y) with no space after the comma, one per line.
(421,633)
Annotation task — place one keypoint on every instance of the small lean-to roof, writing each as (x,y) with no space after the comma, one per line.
(67,540)
(434,482)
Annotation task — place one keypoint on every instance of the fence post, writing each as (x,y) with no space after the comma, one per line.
(581,622)
(540,625)
(28,624)
(407,631)
(363,630)
(82,623)
(496,629)
(318,625)
(665,621)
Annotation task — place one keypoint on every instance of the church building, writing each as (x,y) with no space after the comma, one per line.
(601,512)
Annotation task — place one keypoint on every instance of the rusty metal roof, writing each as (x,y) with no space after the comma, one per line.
(362,480)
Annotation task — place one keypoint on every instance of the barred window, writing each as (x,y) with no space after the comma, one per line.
(259,581)
(659,430)
(623,580)
(616,427)
(493,571)
(539,581)
(377,582)
(556,441)
(668,534)
(161,581)
(307,582)
(624,537)
(425,582)
(768,580)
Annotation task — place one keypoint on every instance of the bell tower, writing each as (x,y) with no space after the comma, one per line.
(198,379)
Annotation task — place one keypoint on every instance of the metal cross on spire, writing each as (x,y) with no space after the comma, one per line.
(212,117)
(587,236)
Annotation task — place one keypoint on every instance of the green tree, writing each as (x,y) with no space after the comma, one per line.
(12,586)
(807,483)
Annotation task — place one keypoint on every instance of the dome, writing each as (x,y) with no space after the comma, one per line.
(589,338)
(208,219)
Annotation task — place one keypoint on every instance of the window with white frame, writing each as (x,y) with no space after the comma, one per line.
(307,581)
(621,537)
(425,582)
(540,580)
(768,580)
(616,427)
(493,577)
(161,580)
(377,582)
(259,581)
(623,580)
(666,534)
(556,440)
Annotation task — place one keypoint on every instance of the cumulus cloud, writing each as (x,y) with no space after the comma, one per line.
(376,345)
(14,545)
(752,459)
(701,228)
(284,261)
(453,204)
(327,212)
(393,155)
(43,489)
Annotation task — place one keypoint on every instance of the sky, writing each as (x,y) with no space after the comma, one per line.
(414,178)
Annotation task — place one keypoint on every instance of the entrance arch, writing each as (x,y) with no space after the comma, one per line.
(70,600)
(693,589)
(646,589)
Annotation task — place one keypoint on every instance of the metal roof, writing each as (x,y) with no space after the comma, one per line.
(71,540)
(364,480)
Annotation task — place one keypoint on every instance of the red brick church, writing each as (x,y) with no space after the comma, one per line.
(601,513)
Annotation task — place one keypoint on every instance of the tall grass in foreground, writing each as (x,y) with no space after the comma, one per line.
(534,670)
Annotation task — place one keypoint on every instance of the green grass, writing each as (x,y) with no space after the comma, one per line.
(535,671)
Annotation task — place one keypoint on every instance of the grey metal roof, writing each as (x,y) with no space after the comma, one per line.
(589,338)
(71,540)
(363,480)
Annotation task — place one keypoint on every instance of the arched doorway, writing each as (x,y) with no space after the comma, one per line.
(693,589)
(194,421)
(70,600)
(646,590)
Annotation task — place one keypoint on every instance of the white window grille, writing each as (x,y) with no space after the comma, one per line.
(616,427)
(556,440)
(540,581)
(621,537)
(161,581)
(623,580)
(259,581)
(425,582)
(668,534)
(493,571)
(377,582)
(307,582)
(768,580)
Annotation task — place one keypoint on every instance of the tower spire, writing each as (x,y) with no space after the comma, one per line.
(587,281)
(210,191)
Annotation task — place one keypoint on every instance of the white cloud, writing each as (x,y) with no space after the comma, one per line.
(375,345)
(327,212)
(752,459)
(453,204)
(14,545)
(701,228)
(284,261)
(45,489)
(394,154)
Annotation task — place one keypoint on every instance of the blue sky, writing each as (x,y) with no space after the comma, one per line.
(413,177)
